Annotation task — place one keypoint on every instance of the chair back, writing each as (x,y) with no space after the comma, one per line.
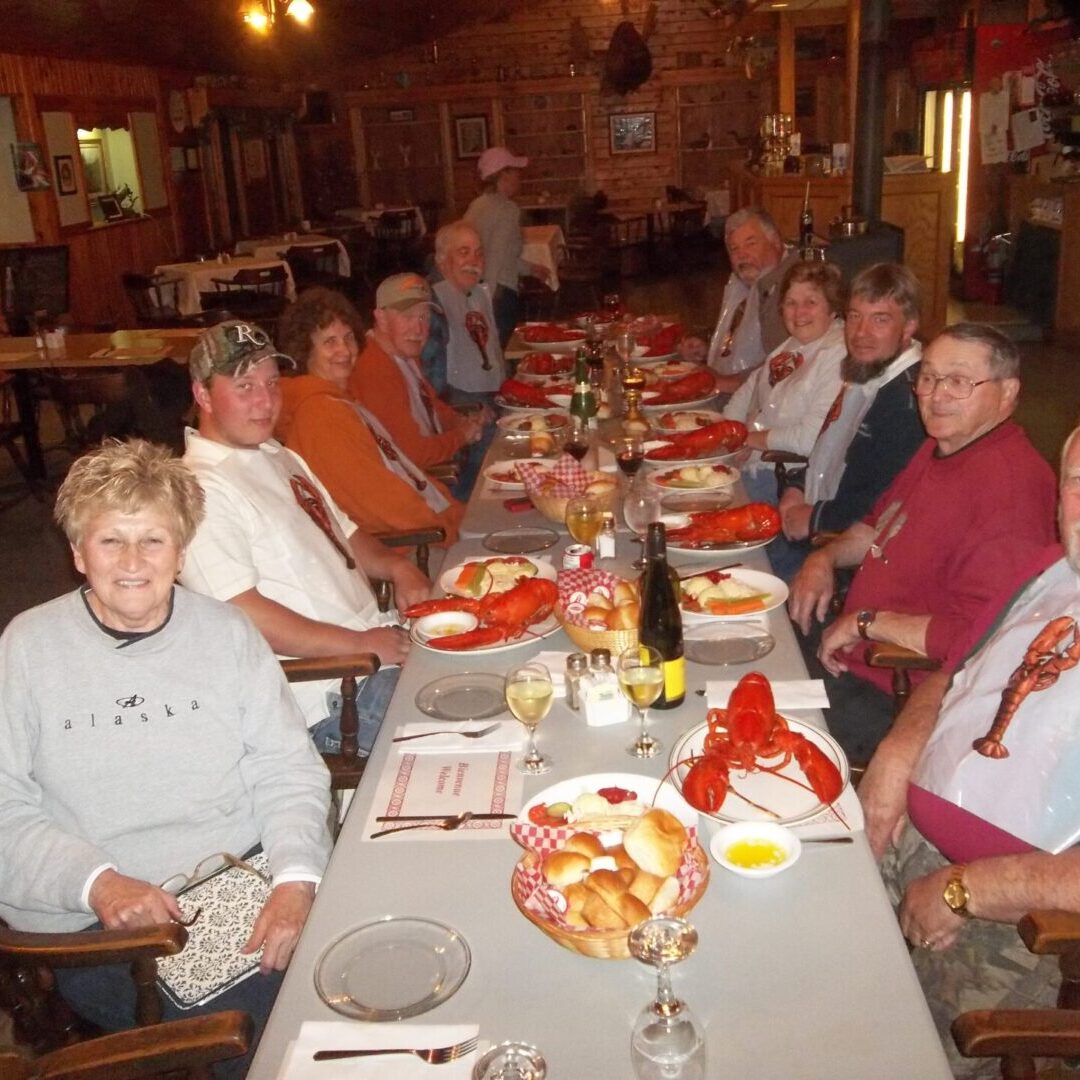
(395,225)
(266,280)
(154,298)
(629,231)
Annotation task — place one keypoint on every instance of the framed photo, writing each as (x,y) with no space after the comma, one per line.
(472,135)
(30,171)
(94,167)
(110,207)
(64,167)
(191,157)
(633,133)
(401,116)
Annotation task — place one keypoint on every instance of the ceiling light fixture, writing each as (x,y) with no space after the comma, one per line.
(262,15)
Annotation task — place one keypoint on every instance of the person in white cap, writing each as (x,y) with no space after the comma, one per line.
(497,218)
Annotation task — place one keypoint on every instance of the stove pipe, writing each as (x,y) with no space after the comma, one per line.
(869,151)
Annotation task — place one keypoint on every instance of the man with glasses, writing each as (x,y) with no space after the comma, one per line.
(946,543)
(276,545)
(750,325)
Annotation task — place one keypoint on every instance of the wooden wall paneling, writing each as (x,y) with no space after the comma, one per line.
(463,181)
(363,177)
(786,62)
(447,211)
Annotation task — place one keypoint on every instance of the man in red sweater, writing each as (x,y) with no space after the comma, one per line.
(947,542)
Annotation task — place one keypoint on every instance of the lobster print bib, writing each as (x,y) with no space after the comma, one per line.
(1007,743)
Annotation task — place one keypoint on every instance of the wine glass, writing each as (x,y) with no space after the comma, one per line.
(640,507)
(511,1061)
(641,676)
(584,519)
(667,1042)
(612,305)
(629,453)
(625,344)
(528,694)
(576,443)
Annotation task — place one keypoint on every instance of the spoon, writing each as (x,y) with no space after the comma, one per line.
(464,734)
(455,821)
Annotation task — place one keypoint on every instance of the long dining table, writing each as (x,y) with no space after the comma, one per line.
(802,975)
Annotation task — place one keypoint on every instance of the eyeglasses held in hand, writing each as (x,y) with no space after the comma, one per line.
(207,868)
(956,386)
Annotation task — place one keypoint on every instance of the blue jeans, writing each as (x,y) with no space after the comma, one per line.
(375,694)
(507,307)
(106,996)
(471,457)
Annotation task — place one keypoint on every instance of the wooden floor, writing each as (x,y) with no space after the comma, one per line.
(35,564)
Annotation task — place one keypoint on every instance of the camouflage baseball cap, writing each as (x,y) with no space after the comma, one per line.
(231,348)
(403,291)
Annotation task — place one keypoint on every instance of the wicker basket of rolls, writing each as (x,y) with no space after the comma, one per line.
(602,487)
(605,618)
(659,869)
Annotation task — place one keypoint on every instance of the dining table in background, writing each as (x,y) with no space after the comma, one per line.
(369,218)
(274,247)
(804,974)
(544,245)
(198,277)
(82,352)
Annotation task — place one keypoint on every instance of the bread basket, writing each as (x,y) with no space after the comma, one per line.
(615,641)
(553,507)
(601,944)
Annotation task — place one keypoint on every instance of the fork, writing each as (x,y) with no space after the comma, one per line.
(464,734)
(454,821)
(440,1055)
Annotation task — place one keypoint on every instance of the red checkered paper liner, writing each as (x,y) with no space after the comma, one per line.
(570,477)
(537,896)
(575,587)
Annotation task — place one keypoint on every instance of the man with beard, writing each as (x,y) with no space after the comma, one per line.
(873,427)
(985,767)
(750,325)
(946,543)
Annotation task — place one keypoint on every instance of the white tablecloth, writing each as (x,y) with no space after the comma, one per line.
(274,247)
(544,245)
(368,218)
(196,277)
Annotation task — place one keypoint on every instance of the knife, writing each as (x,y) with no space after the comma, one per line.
(436,817)
(711,570)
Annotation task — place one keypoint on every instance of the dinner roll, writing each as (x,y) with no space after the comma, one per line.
(596,614)
(656,841)
(562,868)
(576,895)
(666,896)
(585,844)
(625,593)
(645,886)
(624,617)
(600,915)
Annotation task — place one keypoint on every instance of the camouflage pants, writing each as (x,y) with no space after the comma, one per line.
(987,968)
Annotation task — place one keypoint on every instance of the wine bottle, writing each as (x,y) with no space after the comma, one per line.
(583,401)
(806,226)
(660,624)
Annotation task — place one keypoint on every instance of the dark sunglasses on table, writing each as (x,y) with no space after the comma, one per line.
(956,386)
(206,869)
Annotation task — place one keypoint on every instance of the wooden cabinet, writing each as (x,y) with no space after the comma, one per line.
(919,203)
(713,119)
(402,151)
(549,129)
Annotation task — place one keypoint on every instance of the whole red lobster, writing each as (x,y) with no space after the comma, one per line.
(698,384)
(530,396)
(754,521)
(746,734)
(724,435)
(503,616)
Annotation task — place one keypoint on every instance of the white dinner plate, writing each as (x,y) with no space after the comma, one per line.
(721,476)
(499,469)
(776,590)
(545,629)
(517,425)
(647,789)
(726,458)
(692,404)
(523,371)
(544,570)
(674,369)
(713,549)
(517,411)
(790,802)
(644,360)
(699,418)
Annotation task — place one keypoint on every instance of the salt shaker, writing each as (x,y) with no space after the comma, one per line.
(601,699)
(577,665)
(605,542)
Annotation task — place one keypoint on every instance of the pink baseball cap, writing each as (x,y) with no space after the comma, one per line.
(496,158)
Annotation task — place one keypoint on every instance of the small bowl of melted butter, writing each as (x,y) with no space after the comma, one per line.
(755,849)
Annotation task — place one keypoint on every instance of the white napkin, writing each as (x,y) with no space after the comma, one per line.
(509,736)
(788,694)
(334,1035)
(555,662)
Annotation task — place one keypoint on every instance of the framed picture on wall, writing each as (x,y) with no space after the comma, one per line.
(633,133)
(472,135)
(110,207)
(94,167)
(30,171)
(64,167)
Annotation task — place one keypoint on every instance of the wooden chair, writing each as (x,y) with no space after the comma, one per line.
(155,299)
(179,1048)
(70,389)
(395,235)
(11,431)
(315,265)
(1019,1036)
(627,245)
(254,293)
(580,275)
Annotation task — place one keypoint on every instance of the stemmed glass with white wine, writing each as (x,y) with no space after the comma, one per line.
(641,676)
(584,519)
(667,1042)
(529,694)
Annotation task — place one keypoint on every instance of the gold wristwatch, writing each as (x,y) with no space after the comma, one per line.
(956,894)
(862,623)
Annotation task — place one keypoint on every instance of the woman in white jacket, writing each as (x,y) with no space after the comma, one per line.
(785,402)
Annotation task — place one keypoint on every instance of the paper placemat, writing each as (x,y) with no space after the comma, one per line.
(298,1063)
(847,807)
(787,693)
(443,784)
(509,735)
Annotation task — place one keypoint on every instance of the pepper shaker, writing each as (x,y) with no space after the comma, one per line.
(577,664)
